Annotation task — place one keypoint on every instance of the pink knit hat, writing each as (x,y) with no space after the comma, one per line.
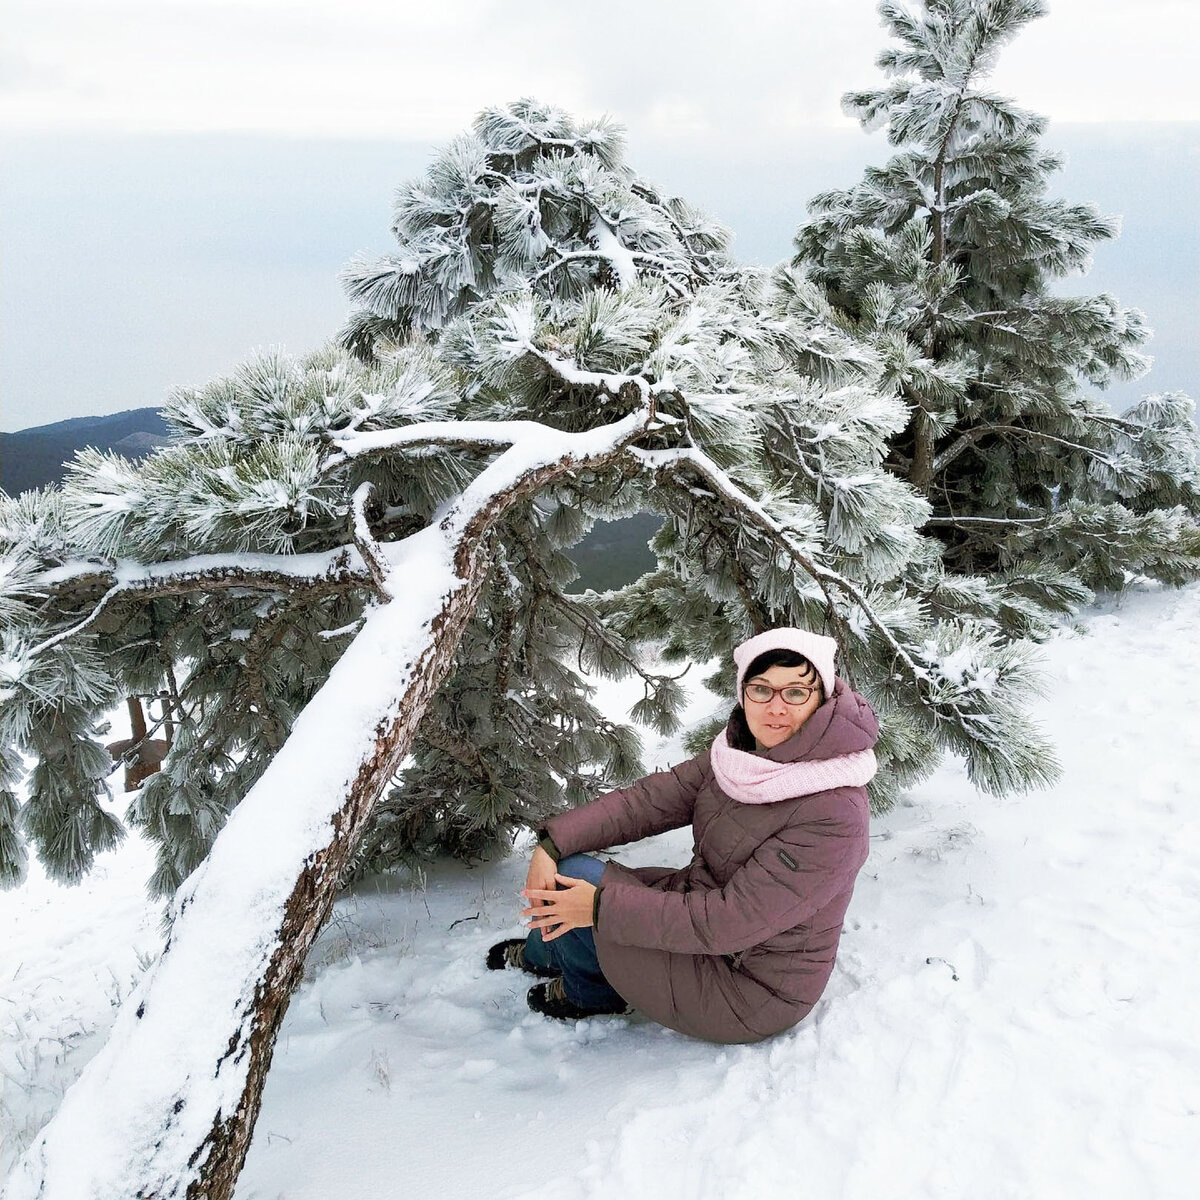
(817,649)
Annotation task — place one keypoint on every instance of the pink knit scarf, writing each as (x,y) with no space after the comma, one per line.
(753,779)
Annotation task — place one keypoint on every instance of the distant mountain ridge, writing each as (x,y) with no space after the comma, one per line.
(612,554)
(32,458)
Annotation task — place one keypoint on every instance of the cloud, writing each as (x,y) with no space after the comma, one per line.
(19,73)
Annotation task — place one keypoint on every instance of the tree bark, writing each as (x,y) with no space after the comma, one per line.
(920,470)
(168,1107)
(137,719)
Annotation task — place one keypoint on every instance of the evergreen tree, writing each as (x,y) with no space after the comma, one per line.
(346,574)
(944,259)
(531,198)
(230,569)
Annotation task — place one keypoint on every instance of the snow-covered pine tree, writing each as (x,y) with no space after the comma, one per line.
(249,519)
(531,198)
(338,552)
(806,423)
(944,259)
(228,571)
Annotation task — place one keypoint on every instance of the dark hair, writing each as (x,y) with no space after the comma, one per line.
(740,737)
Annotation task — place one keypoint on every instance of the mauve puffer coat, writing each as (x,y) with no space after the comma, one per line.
(739,944)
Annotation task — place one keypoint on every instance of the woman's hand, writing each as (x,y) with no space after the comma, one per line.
(541,871)
(562,909)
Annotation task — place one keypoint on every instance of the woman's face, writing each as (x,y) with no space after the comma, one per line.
(776,721)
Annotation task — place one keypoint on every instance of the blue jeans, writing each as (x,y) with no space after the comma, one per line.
(574,952)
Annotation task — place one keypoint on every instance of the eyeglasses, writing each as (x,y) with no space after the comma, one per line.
(760,693)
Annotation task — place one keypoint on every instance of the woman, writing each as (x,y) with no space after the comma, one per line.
(738,945)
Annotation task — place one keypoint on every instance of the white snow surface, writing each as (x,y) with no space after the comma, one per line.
(1012,1015)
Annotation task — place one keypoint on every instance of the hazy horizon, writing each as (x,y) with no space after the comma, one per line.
(138,262)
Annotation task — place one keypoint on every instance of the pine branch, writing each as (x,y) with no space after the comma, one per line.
(318,573)
(491,435)
(966,440)
(701,261)
(470,435)
(368,547)
(282,889)
(508,624)
(217,572)
(970,725)
(437,735)
(266,635)
(987,520)
(697,461)
(569,256)
(172,702)
(578,613)
(1130,427)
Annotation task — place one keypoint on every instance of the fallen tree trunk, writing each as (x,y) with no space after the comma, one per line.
(168,1107)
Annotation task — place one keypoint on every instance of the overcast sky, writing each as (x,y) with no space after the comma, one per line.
(418,69)
(184,178)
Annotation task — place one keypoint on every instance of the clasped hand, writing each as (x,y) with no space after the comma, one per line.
(555,911)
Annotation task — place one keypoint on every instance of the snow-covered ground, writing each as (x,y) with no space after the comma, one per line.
(1013,1015)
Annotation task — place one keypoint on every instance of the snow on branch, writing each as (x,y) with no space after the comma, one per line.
(368,547)
(483,435)
(168,1106)
(342,565)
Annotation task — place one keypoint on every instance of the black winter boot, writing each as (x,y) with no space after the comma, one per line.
(511,953)
(551,999)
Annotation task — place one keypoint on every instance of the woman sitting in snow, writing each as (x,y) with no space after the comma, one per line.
(738,945)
